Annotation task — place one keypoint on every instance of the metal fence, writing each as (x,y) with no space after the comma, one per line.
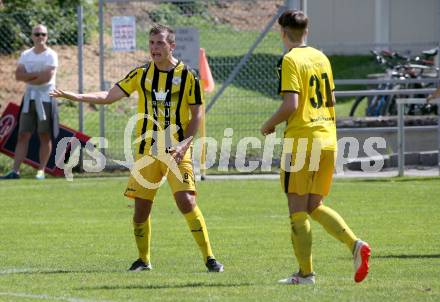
(63,38)
(241,40)
(227,31)
(16,36)
(401,131)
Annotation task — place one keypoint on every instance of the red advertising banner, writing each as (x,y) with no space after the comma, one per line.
(8,139)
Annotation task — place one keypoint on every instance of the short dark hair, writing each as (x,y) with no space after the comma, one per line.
(294,22)
(159,28)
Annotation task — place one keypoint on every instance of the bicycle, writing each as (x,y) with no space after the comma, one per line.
(399,67)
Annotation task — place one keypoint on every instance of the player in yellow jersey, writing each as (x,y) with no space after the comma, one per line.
(306,86)
(170,104)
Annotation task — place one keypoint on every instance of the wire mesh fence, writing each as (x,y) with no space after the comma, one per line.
(16,31)
(227,30)
(62,25)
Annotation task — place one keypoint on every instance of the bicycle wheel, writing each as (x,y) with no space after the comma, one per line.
(390,107)
(428,109)
(355,107)
(373,108)
(384,107)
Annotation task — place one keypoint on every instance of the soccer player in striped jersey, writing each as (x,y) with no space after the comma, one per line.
(170,101)
(306,86)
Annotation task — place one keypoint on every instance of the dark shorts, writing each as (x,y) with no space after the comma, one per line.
(29,121)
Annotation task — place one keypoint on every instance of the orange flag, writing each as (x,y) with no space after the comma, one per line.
(205,72)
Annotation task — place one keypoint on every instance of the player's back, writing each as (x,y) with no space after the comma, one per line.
(307,72)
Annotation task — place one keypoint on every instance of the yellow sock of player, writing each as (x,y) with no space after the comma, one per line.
(142,234)
(302,241)
(197,225)
(334,224)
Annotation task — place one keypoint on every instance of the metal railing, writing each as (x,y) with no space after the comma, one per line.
(373,92)
(401,129)
(383,81)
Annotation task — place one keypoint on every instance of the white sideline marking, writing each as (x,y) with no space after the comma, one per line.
(76,183)
(16,271)
(46,297)
(54,182)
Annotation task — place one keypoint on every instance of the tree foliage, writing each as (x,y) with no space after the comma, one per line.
(17,17)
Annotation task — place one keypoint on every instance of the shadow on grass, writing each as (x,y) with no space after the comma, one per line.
(50,272)
(403,256)
(164,286)
(390,179)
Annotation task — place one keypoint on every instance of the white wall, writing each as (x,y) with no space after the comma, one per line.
(349,26)
(414,21)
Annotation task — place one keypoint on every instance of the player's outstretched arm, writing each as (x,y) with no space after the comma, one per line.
(99,97)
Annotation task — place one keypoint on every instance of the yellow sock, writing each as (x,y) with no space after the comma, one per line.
(302,241)
(334,224)
(197,225)
(142,234)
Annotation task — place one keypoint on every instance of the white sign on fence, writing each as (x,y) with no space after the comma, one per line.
(187,46)
(124,33)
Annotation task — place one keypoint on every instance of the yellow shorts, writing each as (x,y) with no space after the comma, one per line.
(154,173)
(305,181)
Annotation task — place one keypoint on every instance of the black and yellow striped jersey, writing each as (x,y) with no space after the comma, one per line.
(307,72)
(164,98)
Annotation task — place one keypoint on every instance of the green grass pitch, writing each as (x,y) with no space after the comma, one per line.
(72,241)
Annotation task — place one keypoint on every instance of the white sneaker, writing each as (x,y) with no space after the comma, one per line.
(361,255)
(40,175)
(296,278)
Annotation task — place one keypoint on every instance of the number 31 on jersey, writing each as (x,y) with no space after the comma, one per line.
(316,83)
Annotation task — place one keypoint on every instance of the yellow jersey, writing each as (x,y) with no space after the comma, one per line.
(164,98)
(307,72)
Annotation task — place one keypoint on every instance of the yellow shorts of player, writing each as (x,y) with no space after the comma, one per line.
(154,173)
(301,180)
